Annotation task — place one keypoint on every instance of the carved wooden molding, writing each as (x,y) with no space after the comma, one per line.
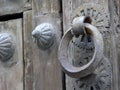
(7,47)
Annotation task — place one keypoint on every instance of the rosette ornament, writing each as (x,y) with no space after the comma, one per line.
(44,35)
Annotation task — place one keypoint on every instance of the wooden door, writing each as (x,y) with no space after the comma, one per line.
(29,68)
(25,66)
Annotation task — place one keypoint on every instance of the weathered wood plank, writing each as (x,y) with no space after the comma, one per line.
(118,29)
(116,18)
(14,6)
(11,71)
(114,21)
(46,70)
(28,42)
(110,51)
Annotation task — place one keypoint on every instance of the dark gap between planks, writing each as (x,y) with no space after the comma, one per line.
(11,16)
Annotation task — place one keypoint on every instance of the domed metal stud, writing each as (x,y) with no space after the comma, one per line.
(44,35)
(6,46)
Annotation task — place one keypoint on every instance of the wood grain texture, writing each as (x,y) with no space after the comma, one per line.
(115,11)
(28,53)
(46,70)
(110,50)
(14,6)
(118,31)
(11,71)
(114,21)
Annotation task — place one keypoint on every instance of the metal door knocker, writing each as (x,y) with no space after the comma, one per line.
(81,55)
(83,28)
(81,52)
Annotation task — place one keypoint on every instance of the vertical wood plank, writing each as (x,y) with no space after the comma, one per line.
(110,51)
(28,53)
(46,70)
(119,38)
(117,23)
(114,20)
(11,71)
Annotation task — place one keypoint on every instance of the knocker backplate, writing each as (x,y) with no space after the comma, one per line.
(99,80)
(99,15)
(81,49)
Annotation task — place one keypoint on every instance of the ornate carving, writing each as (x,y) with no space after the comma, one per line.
(100,18)
(6,46)
(44,35)
(99,80)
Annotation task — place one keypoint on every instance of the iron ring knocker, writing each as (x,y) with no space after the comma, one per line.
(90,67)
